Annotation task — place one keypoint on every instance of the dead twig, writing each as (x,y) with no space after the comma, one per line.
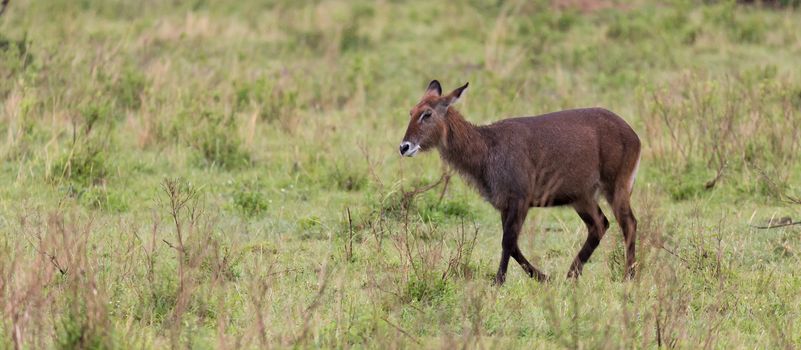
(408,196)
(447,174)
(309,312)
(462,252)
(171,245)
(370,164)
(349,247)
(401,330)
(674,254)
(777,189)
(792,199)
(711,183)
(271,274)
(777,225)
(50,257)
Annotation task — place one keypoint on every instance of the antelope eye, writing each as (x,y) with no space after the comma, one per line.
(425,115)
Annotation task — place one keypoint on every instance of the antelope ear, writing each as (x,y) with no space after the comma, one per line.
(434,88)
(455,94)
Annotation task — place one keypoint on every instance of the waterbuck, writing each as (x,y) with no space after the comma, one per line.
(555,159)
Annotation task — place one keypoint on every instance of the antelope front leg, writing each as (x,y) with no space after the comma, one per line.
(513,218)
(500,277)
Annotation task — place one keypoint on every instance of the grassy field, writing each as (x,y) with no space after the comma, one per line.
(207,174)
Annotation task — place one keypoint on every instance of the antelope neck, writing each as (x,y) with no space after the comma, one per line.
(464,148)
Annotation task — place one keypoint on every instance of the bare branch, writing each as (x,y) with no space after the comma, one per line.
(170,245)
(711,183)
(408,196)
(349,247)
(447,175)
(401,330)
(777,225)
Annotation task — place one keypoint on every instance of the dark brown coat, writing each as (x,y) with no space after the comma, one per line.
(561,158)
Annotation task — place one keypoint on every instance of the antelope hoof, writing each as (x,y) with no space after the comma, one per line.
(573,274)
(534,273)
(499,280)
(541,277)
(629,274)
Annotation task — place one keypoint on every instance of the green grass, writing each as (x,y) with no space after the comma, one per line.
(225,175)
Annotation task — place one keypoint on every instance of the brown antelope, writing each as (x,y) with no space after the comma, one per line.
(560,158)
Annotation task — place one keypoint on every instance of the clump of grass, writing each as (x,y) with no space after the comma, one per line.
(104,198)
(386,202)
(63,265)
(16,56)
(347,178)
(616,261)
(706,260)
(215,139)
(77,330)
(426,290)
(249,200)
(630,28)
(689,183)
(310,227)
(157,304)
(128,88)
(84,163)
(431,208)
(274,99)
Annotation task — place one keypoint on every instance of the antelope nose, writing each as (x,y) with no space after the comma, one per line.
(404,147)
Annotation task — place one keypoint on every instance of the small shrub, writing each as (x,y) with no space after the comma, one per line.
(93,115)
(249,200)
(84,165)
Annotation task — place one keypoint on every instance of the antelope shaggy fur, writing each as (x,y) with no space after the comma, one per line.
(566,158)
